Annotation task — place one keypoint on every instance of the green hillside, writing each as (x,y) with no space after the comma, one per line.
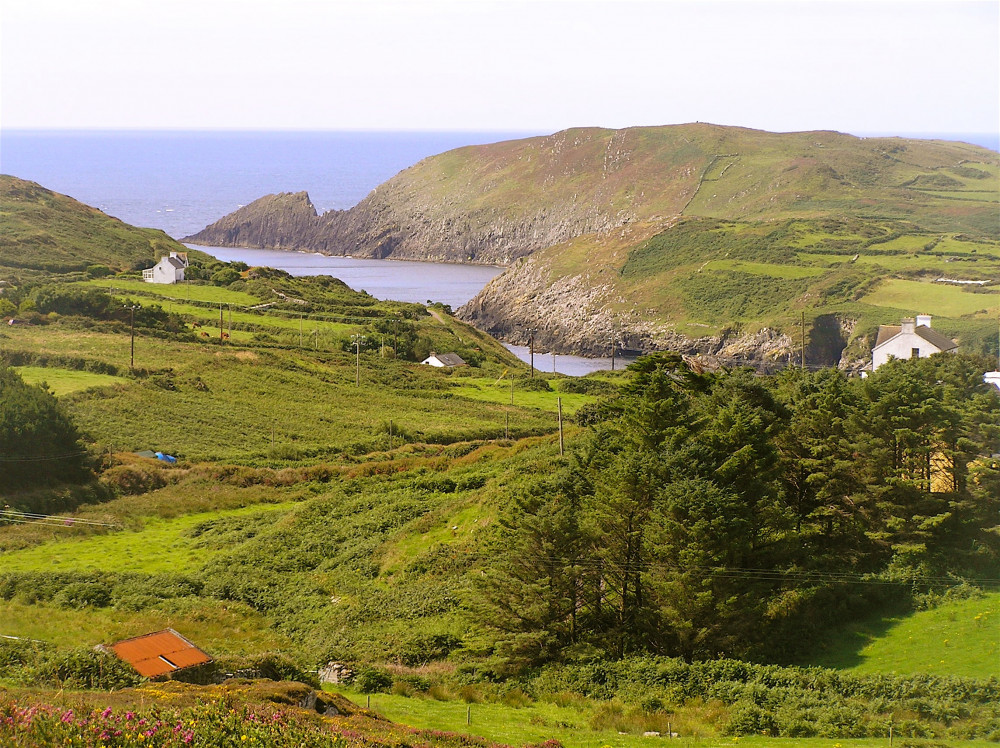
(633,551)
(41,230)
(696,237)
(960,638)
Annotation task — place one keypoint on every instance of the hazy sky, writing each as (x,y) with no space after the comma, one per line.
(502,65)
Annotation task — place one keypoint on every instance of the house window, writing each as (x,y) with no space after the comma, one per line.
(914,353)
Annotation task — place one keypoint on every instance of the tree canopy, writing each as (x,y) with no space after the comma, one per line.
(724,514)
(39,444)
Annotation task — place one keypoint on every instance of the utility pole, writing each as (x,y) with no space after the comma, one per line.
(559,403)
(612,350)
(803,340)
(531,348)
(300,330)
(131,316)
(221,323)
(358,340)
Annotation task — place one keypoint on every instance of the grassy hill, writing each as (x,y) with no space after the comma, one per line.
(41,230)
(960,638)
(701,238)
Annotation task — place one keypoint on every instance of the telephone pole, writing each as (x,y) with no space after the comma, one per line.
(131,317)
(531,349)
(803,341)
(358,340)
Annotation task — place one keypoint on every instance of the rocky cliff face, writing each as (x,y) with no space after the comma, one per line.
(580,315)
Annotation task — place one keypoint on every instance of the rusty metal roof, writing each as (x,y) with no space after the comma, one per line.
(159,653)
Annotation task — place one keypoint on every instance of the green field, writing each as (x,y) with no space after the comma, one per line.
(492,391)
(960,638)
(178,292)
(764,268)
(571,725)
(238,404)
(917,297)
(161,545)
(65,381)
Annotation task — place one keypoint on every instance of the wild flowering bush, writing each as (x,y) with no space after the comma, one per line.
(218,724)
(207,725)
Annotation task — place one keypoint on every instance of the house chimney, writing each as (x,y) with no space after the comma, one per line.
(924,320)
(908,325)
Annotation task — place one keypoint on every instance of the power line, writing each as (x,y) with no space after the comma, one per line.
(31,518)
(66,456)
(774,575)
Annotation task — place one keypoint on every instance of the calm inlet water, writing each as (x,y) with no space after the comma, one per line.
(418,282)
(396,280)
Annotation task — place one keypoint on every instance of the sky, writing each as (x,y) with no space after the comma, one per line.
(872,67)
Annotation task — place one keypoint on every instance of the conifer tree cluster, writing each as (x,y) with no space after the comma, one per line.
(735,515)
(39,444)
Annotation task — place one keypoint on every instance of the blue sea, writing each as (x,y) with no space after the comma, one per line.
(182,181)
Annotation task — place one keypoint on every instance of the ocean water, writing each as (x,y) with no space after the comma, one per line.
(182,181)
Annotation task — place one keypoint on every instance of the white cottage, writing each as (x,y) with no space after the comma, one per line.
(444,360)
(169,269)
(914,338)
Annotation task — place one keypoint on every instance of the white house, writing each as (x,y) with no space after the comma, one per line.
(992,377)
(911,339)
(444,360)
(169,269)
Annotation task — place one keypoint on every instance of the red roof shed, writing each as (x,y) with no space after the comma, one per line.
(159,653)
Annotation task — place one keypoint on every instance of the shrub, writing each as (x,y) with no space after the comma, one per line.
(84,595)
(533,384)
(373,680)
(133,480)
(81,667)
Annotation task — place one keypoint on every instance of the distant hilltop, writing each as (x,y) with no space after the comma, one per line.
(634,234)
(495,203)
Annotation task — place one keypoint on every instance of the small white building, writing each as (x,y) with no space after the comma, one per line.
(444,360)
(992,377)
(169,269)
(911,339)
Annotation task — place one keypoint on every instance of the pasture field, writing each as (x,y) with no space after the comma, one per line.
(491,391)
(161,545)
(581,723)
(959,638)
(918,297)
(65,381)
(233,403)
(178,293)
(765,268)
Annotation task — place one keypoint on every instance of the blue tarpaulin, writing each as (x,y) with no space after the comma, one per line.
(166,458)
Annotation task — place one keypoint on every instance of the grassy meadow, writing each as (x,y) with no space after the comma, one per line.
(65,381)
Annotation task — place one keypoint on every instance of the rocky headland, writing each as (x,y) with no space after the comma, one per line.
(586,221)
